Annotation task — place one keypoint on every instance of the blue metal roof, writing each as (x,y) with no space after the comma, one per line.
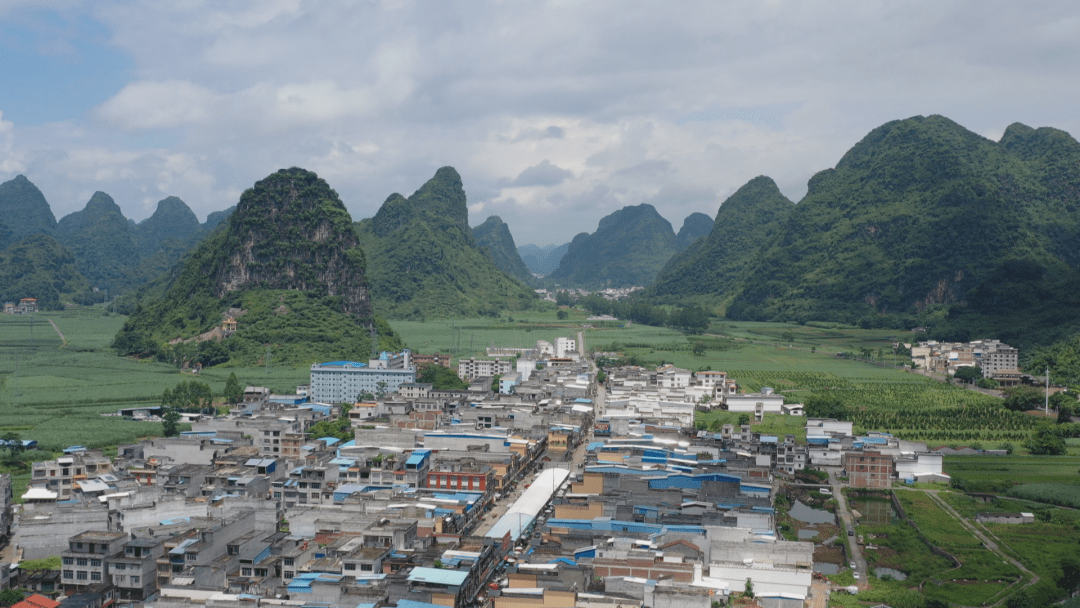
(355,364)
(417,457)
(438,576)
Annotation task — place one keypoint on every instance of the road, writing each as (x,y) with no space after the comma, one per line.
(848,524)
(63,340)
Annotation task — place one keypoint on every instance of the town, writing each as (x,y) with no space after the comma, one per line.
(538,484)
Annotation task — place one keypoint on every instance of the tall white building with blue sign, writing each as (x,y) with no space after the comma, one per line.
(345,381)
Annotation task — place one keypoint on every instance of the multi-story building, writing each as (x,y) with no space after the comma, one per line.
(87,559)
(133,570)
(58,476)
(868,469)
(346,381)
(991,356)
(470,369)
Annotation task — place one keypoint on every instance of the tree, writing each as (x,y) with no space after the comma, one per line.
(825,406)
(562,298)
(1048,441)
(10,597)
(442,378)
(1065,413)
(788,336)
(495,382)
(748,591)
(233,392)
(744,419)
(169,422)
(968,373)
(1020,599)
(699,349)
(562,315)
(1023,398)
(211,352)
(934,603)
(189,396)
(380,388)
(13,444)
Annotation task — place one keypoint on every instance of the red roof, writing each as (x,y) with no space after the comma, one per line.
(36,601)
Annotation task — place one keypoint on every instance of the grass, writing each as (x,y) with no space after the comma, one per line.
(982,574)
(1014,468)
(55,392)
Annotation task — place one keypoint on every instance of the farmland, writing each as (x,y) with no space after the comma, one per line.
(55,392)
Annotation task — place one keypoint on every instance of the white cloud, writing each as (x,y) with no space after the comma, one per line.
(10,161)
(554,113)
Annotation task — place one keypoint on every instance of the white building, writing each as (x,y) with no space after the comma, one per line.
(470,369)
(345,381)
(565,347)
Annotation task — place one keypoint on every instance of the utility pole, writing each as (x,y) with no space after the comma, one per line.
(1046,405)
(268,355)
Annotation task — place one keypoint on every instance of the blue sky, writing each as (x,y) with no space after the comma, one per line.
(555,113)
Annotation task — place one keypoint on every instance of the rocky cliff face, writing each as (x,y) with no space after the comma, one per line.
(291,231)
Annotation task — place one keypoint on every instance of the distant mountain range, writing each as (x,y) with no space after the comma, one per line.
(921,223)
(113,254)
(544,260)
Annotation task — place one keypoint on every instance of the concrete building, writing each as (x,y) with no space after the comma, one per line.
(472,368)
(346,381)
(87,558)
(867,469)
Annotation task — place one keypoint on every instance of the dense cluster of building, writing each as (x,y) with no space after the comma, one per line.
(556,492)
(998,361)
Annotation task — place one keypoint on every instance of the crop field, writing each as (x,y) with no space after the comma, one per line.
(982,574)
(1014,469)
(55,392)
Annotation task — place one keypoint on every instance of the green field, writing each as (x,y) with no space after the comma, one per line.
(55,393)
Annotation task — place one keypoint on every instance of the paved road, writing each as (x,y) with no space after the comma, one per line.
(848,524)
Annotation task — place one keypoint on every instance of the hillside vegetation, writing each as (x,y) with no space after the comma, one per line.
(424,262)
(629,248)
(290,265)
(493,238)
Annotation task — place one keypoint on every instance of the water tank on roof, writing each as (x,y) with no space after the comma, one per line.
(766,390)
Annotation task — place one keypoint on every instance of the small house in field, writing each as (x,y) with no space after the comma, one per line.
(1005,518)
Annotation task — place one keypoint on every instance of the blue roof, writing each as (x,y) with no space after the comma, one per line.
(438,576)
(582,400)
(330,440)
(417,457)
(414,604)
(343,364)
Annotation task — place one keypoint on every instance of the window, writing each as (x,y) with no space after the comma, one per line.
(234,549)
(287,574)
(95,563)
(134,580)
(95,576)
(67,574)
(288,561)
(69,561)
(260,572)
(245,572)
(120,566)
(191,557)
(81,561)
(350,566)
(365,567)
(80,575)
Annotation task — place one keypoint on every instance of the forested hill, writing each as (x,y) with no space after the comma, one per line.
(288,264)
(39,267)
(424,262)
(926,222)
(629,248)
(23,211)
(713,268)
(103,243)
(695,226)
(493,238)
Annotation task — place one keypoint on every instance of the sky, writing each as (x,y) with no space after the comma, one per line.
(554,113)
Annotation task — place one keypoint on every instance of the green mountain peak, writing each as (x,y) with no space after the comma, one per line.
(493,238)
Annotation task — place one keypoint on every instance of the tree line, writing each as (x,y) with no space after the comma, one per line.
(691,319)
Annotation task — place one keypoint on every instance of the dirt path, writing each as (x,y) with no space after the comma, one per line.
(58,332)
(989,544)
